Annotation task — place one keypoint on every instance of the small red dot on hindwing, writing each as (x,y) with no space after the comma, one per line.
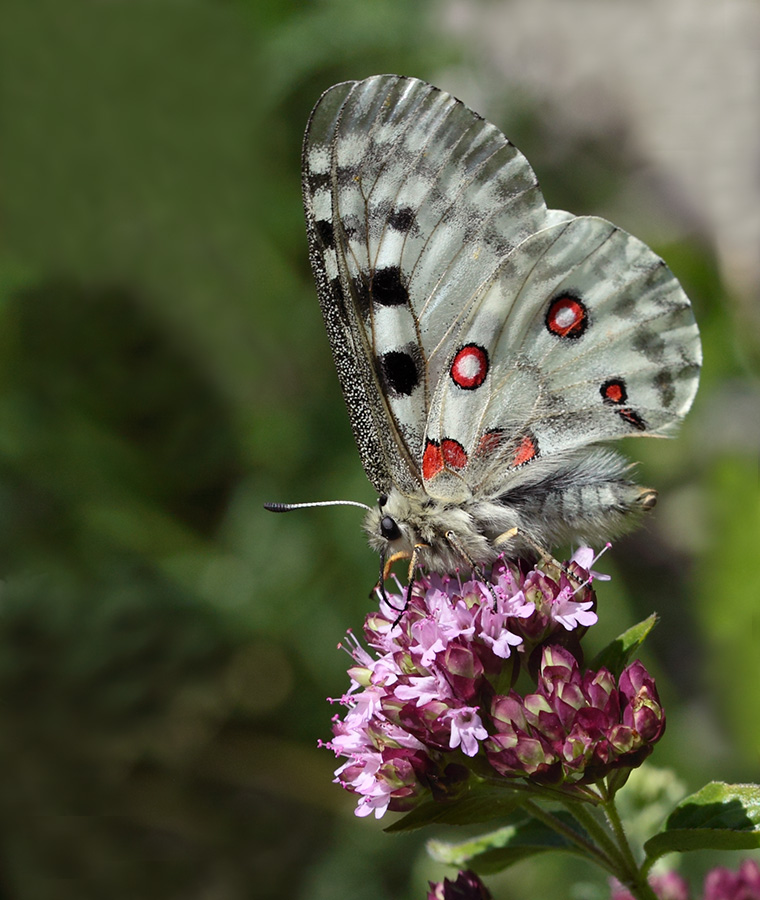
(567,317)
(470,367)
(613,391)
(632,418)
(454,454)
(490,442)
(432,460)
(526,451)
(449,454)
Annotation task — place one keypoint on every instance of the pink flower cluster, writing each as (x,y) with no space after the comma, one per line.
(437,689)
(575,726)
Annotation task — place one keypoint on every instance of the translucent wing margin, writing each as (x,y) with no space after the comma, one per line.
(412,203)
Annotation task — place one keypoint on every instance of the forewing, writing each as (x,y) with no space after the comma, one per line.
(412,203)
(582,335)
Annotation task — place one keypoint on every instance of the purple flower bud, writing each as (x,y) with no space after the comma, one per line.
(582,721)
(427,723)
(641,704)
(464,671)
(719,884)
(467,887)
(515,754)
(542,718)
(668,886)
(509,710)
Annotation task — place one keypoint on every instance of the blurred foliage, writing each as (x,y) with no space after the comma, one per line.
(165,645)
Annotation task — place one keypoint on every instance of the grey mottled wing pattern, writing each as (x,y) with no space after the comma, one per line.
(476,333)
(412,202)
(625,363)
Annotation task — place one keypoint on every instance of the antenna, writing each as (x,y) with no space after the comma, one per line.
(288,507)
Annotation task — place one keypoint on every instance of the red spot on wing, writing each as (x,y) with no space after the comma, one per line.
(449,454)
(632,418)
(490,442)
(432,460)
(454,454)
(526,451)
(470,367)
(613,391)
(567,317)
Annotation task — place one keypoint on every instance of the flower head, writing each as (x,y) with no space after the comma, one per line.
(576,726)
(434,700)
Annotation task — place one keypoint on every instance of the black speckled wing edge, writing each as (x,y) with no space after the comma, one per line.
(352,358)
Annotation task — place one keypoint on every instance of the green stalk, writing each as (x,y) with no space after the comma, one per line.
(588,848)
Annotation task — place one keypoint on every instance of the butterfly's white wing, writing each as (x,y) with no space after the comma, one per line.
(482,342)
(412,202)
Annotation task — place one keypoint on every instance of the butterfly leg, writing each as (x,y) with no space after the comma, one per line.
(413,558)
(544,554)
(385,571)
(476,569)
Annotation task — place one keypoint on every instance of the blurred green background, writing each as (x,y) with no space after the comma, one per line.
(165,645)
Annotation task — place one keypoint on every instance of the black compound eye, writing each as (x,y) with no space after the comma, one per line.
(389,529)
(382,500)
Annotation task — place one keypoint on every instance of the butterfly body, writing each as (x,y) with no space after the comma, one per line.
(484,343)
(587,493)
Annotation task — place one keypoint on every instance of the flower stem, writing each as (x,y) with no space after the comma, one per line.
(615,823)
(600,834)
(588,847)
(635,878)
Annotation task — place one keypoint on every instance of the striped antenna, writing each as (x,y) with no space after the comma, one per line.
(287,507)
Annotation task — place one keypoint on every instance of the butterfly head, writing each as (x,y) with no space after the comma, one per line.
(442,537)
(388,526)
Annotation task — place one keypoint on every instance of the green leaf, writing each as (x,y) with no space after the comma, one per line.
(718,817)
(499,849)
(616,655)
(479,804)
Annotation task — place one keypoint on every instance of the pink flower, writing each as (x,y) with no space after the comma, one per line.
(466,730)
(429,691)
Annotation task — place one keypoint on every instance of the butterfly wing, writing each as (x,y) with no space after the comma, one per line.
(475,332)
(582,335)
(412,203)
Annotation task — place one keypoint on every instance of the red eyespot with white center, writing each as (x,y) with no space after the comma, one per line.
(449,454)
(470,367)
(567,317)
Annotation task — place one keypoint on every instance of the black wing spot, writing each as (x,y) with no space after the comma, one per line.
(399,371)
(346,175)
(325,232)
(632,418)
(388,288)
(402,219)
(651,344)
(663,382)
(362,294)
(318,181)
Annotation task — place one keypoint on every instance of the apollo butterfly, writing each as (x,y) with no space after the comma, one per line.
(485,344)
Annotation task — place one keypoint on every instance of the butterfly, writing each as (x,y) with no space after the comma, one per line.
(484,344)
